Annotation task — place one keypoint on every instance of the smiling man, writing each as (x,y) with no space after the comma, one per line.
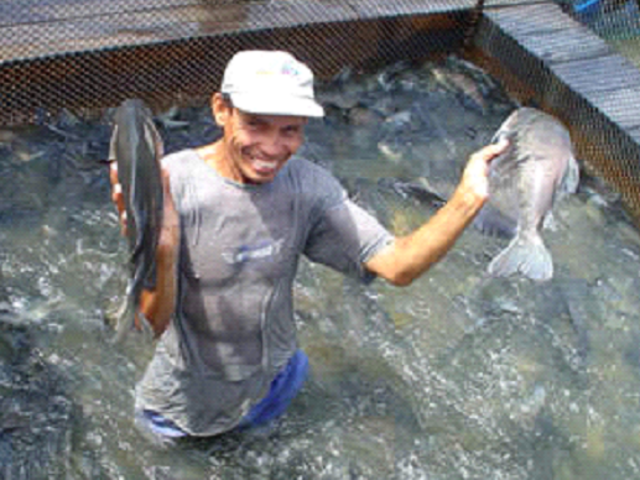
(239,213)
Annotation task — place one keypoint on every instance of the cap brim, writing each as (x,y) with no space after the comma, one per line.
(262,105)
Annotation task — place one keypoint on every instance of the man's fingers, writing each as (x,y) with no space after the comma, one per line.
(117,197)
(485,155)
(123,223)
(496,149)
(113,172)
(116,193)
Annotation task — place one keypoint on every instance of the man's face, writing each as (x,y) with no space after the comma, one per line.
(258,146)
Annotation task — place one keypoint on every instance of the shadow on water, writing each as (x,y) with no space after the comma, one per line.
(456,376)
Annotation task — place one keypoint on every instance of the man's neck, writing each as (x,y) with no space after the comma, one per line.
(211,154)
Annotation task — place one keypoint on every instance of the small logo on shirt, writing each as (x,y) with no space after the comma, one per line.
(261,250)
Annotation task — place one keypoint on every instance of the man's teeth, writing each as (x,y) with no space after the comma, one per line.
(261,164)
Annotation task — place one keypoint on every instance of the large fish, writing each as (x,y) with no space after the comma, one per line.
(537,168)
(136,146)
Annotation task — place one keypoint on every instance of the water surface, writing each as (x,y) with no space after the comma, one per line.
(456,376)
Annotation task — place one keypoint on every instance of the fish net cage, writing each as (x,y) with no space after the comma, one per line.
(81,54)
(80,57)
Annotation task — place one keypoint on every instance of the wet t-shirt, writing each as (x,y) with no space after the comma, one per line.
(233,328)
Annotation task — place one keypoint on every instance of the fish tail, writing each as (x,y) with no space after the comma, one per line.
(527,256)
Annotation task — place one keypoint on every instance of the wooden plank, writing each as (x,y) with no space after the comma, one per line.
(386,8)
(46,28)
(510,3)
(608,72)
(621,105)
(34,40)
(285,14)
(564,45)
(46,39)
(42,11)
(518,19)
(548,33)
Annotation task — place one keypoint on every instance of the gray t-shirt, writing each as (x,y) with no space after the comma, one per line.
(233,328)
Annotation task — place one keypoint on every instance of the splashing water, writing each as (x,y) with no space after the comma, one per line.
(456,376)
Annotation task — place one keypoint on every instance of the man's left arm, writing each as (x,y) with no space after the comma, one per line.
(408,257)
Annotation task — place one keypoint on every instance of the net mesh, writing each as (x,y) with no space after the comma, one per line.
(85,55)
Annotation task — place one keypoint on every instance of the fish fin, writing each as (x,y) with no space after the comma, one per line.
(491,221)
(112,144)
(126,318)
(571,177)
(130,320)
(569,182)
(549,222)
(419,190)
(528,257)
(145,327)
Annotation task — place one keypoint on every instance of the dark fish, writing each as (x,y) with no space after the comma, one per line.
(137,147)
(419,190)
(467,89)
(537,168)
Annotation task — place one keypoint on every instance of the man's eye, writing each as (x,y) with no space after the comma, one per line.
(253,122)
(292,130)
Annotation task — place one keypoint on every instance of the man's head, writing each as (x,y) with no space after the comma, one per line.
(264,103)
(270,83)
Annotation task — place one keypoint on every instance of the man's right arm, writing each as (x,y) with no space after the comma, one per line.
(156,305)
(410,256)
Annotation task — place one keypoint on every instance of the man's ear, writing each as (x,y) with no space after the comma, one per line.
(220,108)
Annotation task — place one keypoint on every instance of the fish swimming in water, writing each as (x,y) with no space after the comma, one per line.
(465,87)
(536,170)
(136,146)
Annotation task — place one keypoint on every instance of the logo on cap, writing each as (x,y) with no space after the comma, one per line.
(290,69)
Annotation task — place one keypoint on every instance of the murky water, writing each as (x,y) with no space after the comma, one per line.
(457,376)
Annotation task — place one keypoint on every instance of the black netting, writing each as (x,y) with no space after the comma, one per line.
(84,55)
(90,54)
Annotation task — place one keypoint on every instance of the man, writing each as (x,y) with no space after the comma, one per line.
(239,213)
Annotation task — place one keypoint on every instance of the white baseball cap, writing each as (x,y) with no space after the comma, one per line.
(270,82)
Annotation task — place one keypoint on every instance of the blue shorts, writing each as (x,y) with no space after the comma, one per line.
(284,387)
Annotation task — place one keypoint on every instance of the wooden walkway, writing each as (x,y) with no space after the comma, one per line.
(40,28)
(91,54)
(555,61)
